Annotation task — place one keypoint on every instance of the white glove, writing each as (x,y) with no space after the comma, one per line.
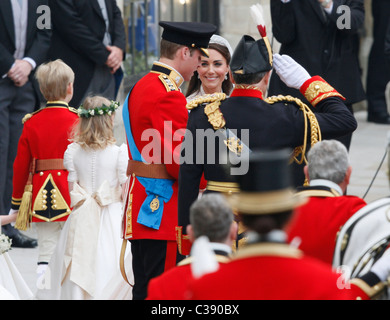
(382,267)
(289,71)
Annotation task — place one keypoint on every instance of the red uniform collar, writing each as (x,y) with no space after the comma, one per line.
(247,92)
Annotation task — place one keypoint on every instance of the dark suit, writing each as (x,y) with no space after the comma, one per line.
(15,101)
(378,73)
(78,32)
(311,37)
(387,44)
(37,40)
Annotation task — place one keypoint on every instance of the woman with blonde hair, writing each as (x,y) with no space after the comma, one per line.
(87,254)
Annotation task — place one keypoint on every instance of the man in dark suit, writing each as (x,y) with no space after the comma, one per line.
(378,73)
(387,44)
(322,36)
(23,46)
(89,36)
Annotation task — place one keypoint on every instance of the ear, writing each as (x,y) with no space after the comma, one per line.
(306,172)
(348,175)
(190,233)
(233,231)
(69,88)
(231,77)
(267,77)
(185,52)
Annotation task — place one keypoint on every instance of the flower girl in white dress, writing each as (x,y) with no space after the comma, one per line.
(12,285)
(88,251)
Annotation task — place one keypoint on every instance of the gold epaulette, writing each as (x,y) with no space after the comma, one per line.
(212,103)
(74,110)
(29,115)
(169,84)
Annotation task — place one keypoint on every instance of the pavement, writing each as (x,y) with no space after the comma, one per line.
(368,147)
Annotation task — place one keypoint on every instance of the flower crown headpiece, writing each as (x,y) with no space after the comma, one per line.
(98,111)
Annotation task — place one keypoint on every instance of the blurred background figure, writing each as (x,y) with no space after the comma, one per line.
(89,36)
(23,47)
(314,226)
(211,217)
(378,73)
(266,263)
(322,36)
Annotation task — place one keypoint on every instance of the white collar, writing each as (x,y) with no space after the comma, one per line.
(178,77)
(326,183)
(220,247)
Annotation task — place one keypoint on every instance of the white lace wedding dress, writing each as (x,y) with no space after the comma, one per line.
(87,254)
(12,284)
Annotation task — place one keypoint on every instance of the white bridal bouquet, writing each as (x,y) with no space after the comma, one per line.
(5,243)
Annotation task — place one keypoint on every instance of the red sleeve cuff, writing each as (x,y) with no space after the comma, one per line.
(317,89)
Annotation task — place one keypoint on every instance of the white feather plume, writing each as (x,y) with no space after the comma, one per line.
(257,14)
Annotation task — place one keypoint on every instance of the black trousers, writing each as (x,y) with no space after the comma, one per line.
(15,103)
(150,259)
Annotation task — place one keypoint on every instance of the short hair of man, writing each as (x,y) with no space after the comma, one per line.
(168,49)
(328,159)
(53,78)
(251,78)
(211,216)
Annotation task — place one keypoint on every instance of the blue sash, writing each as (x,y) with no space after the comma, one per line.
(158,191)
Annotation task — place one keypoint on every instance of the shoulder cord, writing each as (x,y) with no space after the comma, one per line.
(309,118)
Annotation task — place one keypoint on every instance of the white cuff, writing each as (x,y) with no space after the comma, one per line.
(30,61)
(329,10)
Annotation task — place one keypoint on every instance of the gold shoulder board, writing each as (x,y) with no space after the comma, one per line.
(206,99)
(29,115)
(74,110)
(168,83)
(212,103)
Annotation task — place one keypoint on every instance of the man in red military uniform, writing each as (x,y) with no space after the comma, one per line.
(314,227)
(153,114)
(267,267)
(40,185)
(210,217)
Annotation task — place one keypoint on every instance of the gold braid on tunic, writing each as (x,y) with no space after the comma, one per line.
(310,120)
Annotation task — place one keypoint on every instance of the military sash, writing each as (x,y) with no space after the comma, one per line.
(158,191)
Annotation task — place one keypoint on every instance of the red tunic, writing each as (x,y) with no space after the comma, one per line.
(45,136)
(173,284)
(271,271)
(158,111)
(315,224)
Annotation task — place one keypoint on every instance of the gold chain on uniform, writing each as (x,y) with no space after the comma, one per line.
(308,116)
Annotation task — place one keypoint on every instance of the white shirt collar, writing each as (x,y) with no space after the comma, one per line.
(326,183)
(178,78)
